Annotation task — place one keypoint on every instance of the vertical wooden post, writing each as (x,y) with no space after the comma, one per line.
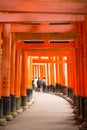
(54,69)
(57,73)
(81,67)
(75,81)
(47,77)
(85,65)
(49,80)
(18,77)
(24,79)
(51,70)
(12,74)
(1,100)
(6,70)
(84,59)
(44,71)
(0,64)
(78,69)
(62,79)
(70,76)
(29,74)
(83,53)
(29,69)
(41,72)
(57,70)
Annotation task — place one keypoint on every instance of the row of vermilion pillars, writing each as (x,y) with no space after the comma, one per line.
(53,70)
(15,88)
(81,72)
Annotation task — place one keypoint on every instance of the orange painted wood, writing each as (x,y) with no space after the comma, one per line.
(43,17)
(70,72)
(67,35)
(41,72)
(32,72)
(29,72)
(24,73)
(36,70)
(61,7)
(48,52)
(74,75)
(84,59)
(6,61)
(52,71)
(48,61)
(61,72)
(57,63)
(18,73)
(41,28)
(12,74)
(46,46)
(77,55)
(80,40)
(49,74)
(0,65)
(79,60)
(44,71)
(54,68)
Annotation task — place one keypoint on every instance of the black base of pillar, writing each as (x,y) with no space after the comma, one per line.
(54,89)
(13,103)
(51,88)
(29,94)
(70,93)
(59,88)
(48,88)
(86,110)
(82,106)
(65,90)
(23,100)
(1,108)
(78,104)
(6,105)
(18,103)
(75,100)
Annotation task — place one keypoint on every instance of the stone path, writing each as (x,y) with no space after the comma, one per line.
(49,112)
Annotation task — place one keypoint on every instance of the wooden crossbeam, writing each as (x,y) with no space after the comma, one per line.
(47,61)
(50,36)
(45,46)
(39,17)
(42,28)
(43,6)
(49,52)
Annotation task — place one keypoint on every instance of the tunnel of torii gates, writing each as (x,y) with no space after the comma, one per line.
(60,61)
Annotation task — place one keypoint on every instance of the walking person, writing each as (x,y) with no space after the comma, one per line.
(35,83)
(39,83)
(44,82)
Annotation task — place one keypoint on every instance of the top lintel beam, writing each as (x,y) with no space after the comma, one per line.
(39,17)
(51,6)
